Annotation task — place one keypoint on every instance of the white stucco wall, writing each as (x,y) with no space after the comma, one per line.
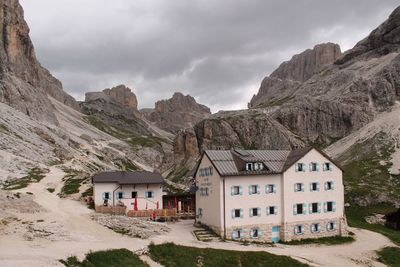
(291,177)
(247,201)
(141,189)
(211,204)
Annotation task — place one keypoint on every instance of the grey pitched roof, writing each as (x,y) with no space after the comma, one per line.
(126,177)
(232,162)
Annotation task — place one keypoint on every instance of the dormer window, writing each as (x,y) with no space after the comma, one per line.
(249,166)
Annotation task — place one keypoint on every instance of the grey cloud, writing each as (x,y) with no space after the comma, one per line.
(217,51)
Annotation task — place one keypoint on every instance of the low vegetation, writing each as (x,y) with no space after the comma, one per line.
(356,218)
(4,128)
(126,164)
(51,190)
(334,240)
(390,256)
(35,175)
(108,258)
(72,182)
(171,255)
(178,173)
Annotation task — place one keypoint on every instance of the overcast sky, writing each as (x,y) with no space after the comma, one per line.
(217,51)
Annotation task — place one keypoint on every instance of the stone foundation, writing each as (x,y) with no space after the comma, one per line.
(287,230)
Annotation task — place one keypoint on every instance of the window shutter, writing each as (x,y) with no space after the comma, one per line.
(304,167)
(241,213)
(311,186)
(275,210)
(325,206)
(296,168)
(259,212)
(274,188)
(318,186)
(251,233)
(333,185)
(310,208)
(250,190)
(251,212)
(302,229)
(326,186)
(324,166)
(267,189)
(302,187)
(240,190)
(319,207)
(334,225)
(304,208)
(258,189)
(317,167)
(233,214)
(294,209)
(260,232)
(104,195)
(232,190)
(318,227)
(330,167)
(334,206)
(310,166)
(295,187)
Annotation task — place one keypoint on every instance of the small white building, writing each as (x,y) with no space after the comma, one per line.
(270,195)
(117,188)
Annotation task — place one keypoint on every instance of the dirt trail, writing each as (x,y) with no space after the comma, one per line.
(83,235)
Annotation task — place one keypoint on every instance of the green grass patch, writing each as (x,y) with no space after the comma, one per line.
(107,258)
(51,190)
(4,128)
(171,255)
(178,173)
(332,240)
(88,192)
(35,175)
(126,164)
(356,218)
(390,256)
(72,182)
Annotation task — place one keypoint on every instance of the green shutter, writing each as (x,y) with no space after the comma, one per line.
(258,189)
(251,212)
(259,212)
(240,190)
(241,213)
(233,214)
(294,209)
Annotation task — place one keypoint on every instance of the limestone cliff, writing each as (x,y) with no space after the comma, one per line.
(178,112)
(24,83)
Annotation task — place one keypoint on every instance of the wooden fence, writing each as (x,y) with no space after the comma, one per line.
(150,213)
(120,210)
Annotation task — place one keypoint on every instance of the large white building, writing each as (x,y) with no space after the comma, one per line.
(116,188)
(270,195)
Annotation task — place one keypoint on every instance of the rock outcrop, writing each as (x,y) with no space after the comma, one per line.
(291,74)
(177,113)
(24,83)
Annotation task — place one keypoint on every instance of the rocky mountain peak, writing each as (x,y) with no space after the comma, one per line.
(25,84)
(383,40)
(290,74)
(177,113)
(180,102)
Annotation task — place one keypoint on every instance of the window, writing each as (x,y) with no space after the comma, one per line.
(204,191)
(272,210)
(254,189)
(300,167)
(236,190)
(120,195)
(328,185)
(149,194)
(106,195)
(327,166)
(258,166)
(315,228)
(237,213)
(270,188)
(255,212)
(314,167)
(237,234)
(330,206)
(298,187)
(299,208)
(199,212)
(134,194)
(249,166)
(314,187)
(255,233)
(314,207)
(206,171)
(331,226)
(299,230)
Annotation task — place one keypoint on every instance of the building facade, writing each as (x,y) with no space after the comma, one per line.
(269,196)
(136,190)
